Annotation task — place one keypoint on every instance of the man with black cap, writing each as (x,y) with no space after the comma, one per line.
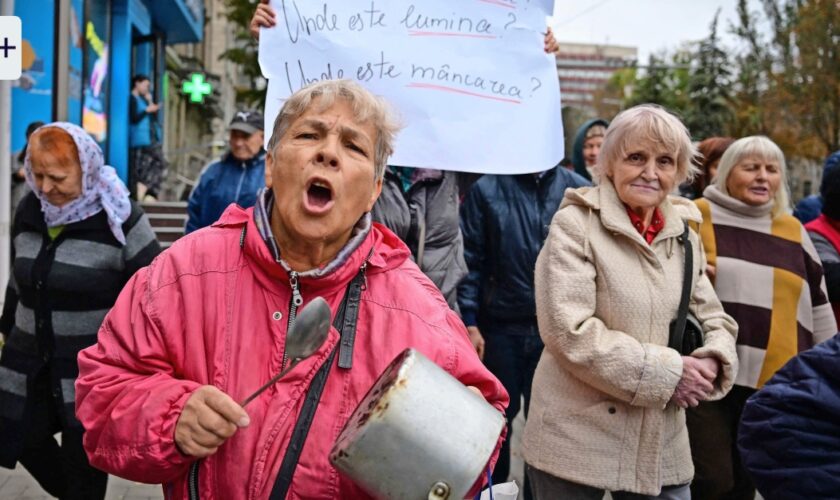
(235,178)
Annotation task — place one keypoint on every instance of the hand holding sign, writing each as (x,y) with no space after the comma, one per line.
(263,18)
(472,86)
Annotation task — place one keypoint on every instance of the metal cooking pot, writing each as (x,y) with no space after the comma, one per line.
(417,434)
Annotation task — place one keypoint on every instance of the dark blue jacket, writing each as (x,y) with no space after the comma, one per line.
(808,208)
(505,220)
(790,430)
(224,182)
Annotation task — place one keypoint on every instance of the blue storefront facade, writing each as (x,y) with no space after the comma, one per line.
(79,57)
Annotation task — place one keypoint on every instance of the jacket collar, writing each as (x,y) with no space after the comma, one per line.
(262,220)
(604,200)
(380,249)
(260,156)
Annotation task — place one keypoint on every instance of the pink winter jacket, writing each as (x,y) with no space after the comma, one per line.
(206,312)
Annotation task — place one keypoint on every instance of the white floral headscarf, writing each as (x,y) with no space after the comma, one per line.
(102,189)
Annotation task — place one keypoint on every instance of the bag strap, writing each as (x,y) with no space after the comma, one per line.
(682,313)
(349,314)
(346,324)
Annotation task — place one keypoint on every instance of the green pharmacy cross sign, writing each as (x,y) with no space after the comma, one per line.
(197,88)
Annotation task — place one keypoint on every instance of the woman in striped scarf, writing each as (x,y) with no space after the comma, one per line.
(768,277)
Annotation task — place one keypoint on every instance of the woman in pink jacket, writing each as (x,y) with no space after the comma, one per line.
(205,324)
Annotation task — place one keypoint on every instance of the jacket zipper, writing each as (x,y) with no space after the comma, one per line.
(294,303)
(192,481)
(239,186)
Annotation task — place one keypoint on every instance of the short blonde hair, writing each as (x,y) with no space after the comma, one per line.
(647,123)
(757,146)
(367,108)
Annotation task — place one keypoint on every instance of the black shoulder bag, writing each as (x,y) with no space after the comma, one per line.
(685,333)
(345,323)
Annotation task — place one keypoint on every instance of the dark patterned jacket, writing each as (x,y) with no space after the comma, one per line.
(58,295)
(789,435)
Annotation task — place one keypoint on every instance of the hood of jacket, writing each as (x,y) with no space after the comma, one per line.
(603,200)
(831,161)
(577,148)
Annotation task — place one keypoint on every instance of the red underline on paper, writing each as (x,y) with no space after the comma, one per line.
(459,91)
(499,3)
(442,33)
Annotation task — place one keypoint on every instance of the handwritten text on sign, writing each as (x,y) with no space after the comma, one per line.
(469,77)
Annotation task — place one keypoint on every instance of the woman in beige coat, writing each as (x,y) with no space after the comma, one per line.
(607,409)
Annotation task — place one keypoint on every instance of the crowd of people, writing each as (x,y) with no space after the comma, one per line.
(656,308)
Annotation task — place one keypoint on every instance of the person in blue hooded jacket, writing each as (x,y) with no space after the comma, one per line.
(587,145)
(235,178)
(789,435)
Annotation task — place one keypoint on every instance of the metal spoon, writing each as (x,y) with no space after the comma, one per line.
(308,333)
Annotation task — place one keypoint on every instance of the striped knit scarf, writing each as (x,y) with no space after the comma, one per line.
(769,278)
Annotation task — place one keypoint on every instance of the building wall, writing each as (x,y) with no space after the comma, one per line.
(584,69)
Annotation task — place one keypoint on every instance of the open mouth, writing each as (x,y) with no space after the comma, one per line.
(760,190)
(319,196)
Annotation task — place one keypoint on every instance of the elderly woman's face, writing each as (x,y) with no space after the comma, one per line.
(754,180)
(645,176)
(57,174)
(322,173)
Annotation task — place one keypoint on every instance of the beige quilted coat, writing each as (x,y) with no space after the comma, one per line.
(599,410)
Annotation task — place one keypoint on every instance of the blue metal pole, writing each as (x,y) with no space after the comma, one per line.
(120,87)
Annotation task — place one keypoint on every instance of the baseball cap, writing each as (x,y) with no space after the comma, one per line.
(248,121)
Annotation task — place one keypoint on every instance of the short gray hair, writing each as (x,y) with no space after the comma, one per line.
(757,146)
(651,123)
(367,108)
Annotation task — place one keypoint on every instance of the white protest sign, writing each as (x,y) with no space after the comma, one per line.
(470,79)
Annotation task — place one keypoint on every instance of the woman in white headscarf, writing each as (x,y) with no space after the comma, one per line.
(77,239)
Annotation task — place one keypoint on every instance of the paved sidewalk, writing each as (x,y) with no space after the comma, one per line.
(18,485)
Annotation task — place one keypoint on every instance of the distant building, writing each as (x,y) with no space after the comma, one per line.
(584,69)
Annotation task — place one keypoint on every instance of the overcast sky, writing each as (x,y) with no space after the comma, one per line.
(649,25)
